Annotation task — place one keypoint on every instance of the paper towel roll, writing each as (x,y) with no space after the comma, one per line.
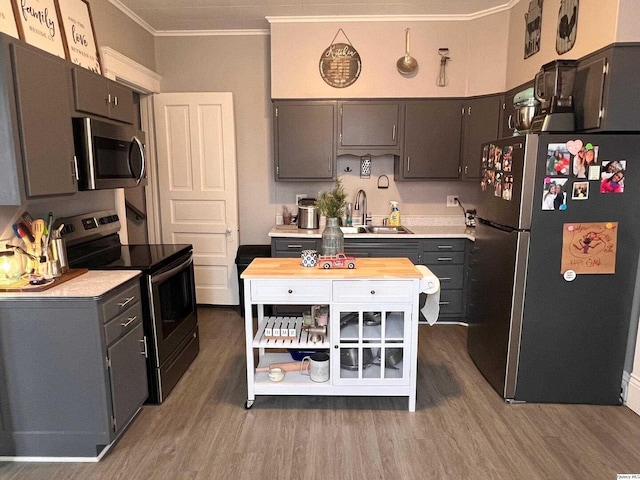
(430,285)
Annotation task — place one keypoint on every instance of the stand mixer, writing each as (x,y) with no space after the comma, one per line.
(554,89)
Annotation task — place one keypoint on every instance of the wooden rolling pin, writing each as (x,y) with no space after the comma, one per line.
(286,367)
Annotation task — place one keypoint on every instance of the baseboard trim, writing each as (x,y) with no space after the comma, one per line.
(633,396)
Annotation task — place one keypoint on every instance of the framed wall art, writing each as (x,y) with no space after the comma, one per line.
(340,63)
(532,34)
(567,25)
(38,22)
(82,47)
(8,23)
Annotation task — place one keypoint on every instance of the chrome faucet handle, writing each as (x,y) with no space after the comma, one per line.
(384,222)
(368,219)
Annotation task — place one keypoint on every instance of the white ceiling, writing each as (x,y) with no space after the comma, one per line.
(184,15)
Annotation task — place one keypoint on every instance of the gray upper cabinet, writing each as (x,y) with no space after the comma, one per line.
(305,133)
(97,95)
(605,92)
(369,127)
(37,152)
(481,124)
(432,137)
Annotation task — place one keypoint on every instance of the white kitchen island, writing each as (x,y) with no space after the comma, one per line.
(372,333)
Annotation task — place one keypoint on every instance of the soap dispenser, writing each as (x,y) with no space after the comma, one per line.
(394,216)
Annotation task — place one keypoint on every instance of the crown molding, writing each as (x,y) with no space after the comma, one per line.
(311,19)
(120,67)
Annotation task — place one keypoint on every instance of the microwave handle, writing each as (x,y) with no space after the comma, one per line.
(136,141)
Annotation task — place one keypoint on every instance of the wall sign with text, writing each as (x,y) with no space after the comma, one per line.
(8,23)
(340,63)
(82,46)
(38,22)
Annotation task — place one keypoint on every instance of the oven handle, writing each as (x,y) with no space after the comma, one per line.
(172,270)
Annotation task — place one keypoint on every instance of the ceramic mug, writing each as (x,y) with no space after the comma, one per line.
(309,258)
(317,367)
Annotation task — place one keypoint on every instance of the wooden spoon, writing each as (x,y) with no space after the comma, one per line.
(38,231)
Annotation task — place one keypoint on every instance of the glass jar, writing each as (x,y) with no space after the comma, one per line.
(332,238)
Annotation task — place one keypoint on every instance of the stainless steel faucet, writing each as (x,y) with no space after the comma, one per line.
(366,220)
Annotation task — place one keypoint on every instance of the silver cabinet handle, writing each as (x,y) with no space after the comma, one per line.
(445,247)
(108,99)
(393,134)
(293,245)
(408,164)
(445,259)
(144,347)
(443,303)
(127,301)
(75,168)
(130,320)
(115,101)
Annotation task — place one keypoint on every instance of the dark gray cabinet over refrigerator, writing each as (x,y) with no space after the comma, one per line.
(554,282)
(481,119)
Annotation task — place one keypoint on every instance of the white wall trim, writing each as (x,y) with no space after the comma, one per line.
(633,395)
(212,33)
(129,13)
(147,82)
(120,67)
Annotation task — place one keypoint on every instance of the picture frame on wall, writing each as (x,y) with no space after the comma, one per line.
(8,23)
(79,34)
(38,25)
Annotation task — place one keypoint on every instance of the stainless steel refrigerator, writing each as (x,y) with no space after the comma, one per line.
(554,267)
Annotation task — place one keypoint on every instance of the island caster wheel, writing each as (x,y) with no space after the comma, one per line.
(248,404)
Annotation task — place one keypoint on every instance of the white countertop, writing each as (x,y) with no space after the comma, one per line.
(92,284)
(419,231)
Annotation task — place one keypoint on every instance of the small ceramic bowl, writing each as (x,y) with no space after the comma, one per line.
(276,374)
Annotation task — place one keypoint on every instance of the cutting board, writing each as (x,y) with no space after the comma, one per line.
(23,284)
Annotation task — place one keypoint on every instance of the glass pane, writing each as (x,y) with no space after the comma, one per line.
(391,358)
(394,327)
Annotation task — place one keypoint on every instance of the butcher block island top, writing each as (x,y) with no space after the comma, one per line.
(366,268)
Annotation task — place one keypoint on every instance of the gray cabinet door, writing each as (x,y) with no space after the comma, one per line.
(481,121)
(431,140)
(44,118)
(97,95)
(369,125)
(589,92)
(305,140)
(128,375)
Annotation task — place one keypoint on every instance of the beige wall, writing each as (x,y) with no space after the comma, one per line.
(596,29)
(296,49)
(237,64)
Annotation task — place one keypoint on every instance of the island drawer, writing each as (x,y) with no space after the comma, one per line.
(288,291)
(388,291)
(443,245)
(120,301)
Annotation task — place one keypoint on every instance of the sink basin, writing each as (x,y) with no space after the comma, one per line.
(376,229)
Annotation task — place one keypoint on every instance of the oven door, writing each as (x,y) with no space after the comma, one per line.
(172,303)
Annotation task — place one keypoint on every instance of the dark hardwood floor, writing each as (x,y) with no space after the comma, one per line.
(460,430)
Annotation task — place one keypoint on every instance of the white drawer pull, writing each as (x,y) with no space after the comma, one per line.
(128,300)
(130,321)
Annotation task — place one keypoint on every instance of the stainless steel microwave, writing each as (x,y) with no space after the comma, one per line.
(108,155)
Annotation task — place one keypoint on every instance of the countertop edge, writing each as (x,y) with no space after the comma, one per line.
(439,231)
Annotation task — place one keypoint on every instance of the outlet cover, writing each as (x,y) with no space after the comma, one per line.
(451,200)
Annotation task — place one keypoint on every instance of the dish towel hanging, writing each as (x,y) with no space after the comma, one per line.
(430,285)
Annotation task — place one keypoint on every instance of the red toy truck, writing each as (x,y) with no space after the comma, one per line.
(336,261)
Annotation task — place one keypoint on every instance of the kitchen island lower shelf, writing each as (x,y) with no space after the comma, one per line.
(373,323)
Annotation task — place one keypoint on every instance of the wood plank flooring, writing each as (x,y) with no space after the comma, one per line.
(461,429)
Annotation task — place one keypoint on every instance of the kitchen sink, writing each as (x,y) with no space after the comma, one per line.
(376,229)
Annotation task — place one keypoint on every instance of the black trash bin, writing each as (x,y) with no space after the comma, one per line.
(245,255)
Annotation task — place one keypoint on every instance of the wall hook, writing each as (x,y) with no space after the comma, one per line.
(348,169)
(383,181)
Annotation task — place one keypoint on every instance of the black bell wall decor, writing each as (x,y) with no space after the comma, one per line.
(340,63)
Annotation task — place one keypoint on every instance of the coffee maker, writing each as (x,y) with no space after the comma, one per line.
(554,89)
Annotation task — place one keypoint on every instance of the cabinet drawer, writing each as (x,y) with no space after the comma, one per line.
(450,276)
(372,291)
(443,258)
(290,291)
(124,322)
(451,302)
(443,245)
(121,301)
(294,245)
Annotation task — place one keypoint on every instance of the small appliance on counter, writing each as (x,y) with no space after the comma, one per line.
(308,217)
(525,107)
(554,89)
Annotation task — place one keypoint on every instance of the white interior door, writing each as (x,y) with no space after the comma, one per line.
(197,178)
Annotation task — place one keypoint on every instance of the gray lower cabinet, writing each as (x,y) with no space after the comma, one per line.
(73,372)
(447,259)
(305,132)
(36,137)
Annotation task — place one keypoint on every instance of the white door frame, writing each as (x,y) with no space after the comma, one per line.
(146,82)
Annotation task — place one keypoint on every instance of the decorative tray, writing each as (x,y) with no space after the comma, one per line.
(23,284)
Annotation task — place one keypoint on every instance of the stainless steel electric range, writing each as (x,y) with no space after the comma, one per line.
(168,291)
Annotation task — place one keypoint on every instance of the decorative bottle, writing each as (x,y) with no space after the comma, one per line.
(332,238)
